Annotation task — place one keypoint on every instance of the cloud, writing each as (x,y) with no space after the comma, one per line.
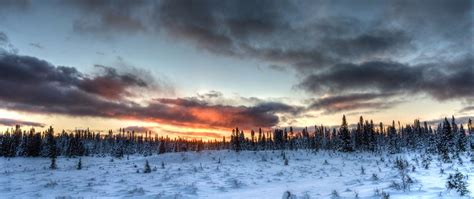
(3,38)
(37,45)
(278,68)
(29,72)
(459,120)
(353,101)
(112,85)
(386,47)
(13,122)
(194,134)
(107,17)
(467,109)
(139,129)
(41,87)
(5,45)
(448,80)
(401,37)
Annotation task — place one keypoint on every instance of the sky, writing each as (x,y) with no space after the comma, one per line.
(197,69)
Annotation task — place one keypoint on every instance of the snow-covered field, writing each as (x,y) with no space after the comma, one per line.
(246,174)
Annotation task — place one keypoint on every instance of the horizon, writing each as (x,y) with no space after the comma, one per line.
(201,69)
(210,136)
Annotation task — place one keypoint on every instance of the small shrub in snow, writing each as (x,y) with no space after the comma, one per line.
(406,181)
(374,177)
(53,163)
(288,195)
(426,162)
(147,168)
(137,191)
(356,195)
(335,194)
(191,189)
(458,183)
(286,162)
(79,164)
(326,162)
(385,195)
(50,184)
(235,184)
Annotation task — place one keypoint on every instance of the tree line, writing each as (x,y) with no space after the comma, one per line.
(448,139)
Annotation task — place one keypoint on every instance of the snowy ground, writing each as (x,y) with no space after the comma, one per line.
(244,175)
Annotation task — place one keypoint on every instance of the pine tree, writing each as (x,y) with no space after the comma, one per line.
(393,145)
(162,147)
(458,182)
(345,136)
(50,148)
(445,145)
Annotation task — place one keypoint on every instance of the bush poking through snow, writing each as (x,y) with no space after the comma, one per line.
(335,194)
(458,183)
(288,195)
(53,163)
(79,164)
(51,184)
(406,181)
(326,162)
(136,191)
(374,177)
(235,184)
(385,195)
(147,168)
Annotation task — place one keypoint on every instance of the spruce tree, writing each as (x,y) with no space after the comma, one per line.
(345,136)
(445,144)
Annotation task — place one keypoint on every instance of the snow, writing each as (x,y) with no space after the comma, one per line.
(246,174)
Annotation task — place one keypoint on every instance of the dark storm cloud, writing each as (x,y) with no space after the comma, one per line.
(340,51)
(30,71)
(353,101)
(108,16)
(275,31)
(13,122)
(110,84)
(316,38)
(281,32)
(336,47)
(449,80)
(32,85)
